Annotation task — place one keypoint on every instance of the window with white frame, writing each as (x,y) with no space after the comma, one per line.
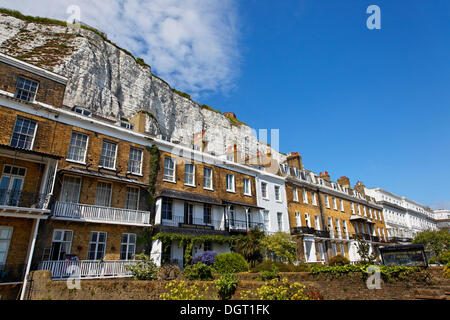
(365,212)
(264,190)
(70,192)
(334,204)
(230,183)
(78,147)
(135,161)
(266,219)
(305,196)
(370,213)
(298,219)
(277,193)
(207,214)
(132,202)
(341,202)
(314,198)
(379,215)
(103,194)
(207,178)
(169,169)
(61,244)
(23,133)
(342,250)
(317,222)
(352,206)
(330,226)
(321,251)
(26,89)
(333,246)
(338,229)
(128,246)
(82,111)
(5,240)
(189,174)
(327,201)
(108,156)
(308,220)
(97,245)
(295,194)
(344,226)
(280,220)
(359,209)
(166,209)
(247,187)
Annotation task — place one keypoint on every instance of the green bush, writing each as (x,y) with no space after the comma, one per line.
(230,263)
(338,261)
(267,275)
(179,290)
(198,271)
(444,257)
(144,269)
(446,272)
(226,285)
(166,273)
(432,260)
(267,265)
(280,290)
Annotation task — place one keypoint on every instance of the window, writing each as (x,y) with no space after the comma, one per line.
(308,220)
(379,215)
(305,196)
(189,174)
(298,219)
(314,199)
(327,201)
(330,227)
(264,190)
(70,190)
(166,210)
(266,219)
(365,212)
(61,244)
(132,202)
(26,89)
(230,182)
(126,125)
(247,187)
(317,222)
(321,253)
(135,161)
(341,202)
(108,156)
(103,194)
(128,246)
(78,147)
(334,203)
(231,211)
(11,184)
(333,246)
(295,194)
(206,213)
(5,239)
(82,111)
(97,245)
(344,226)
(280,220)
(359,209)
(169,169)
(23,133)
(342,250)
(370,213)
(207,178)
(277,193)
(338,229)
(352,206)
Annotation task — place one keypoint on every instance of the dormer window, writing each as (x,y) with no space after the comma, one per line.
(82,111)
(26,89)
(126,125)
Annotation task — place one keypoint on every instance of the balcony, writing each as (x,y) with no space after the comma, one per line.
(303,230)
(364,236)
(243,226)
(322,233)
(21,199)
(90,213)
(198,223)
(87,269)
(11,273)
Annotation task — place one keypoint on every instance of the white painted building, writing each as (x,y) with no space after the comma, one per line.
(442,217)
(404,217)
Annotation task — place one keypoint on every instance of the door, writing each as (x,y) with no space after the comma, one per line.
(61,244)
(188,213)
(11,185)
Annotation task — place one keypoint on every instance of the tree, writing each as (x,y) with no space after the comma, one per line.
(250,246)
(435,241)
(280,245)
(364,251)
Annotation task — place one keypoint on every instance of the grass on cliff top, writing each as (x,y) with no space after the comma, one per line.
(41,20)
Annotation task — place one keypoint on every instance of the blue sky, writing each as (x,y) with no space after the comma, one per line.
(373,105)
(370,104)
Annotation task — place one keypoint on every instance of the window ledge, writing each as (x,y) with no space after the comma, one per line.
(135,174)
(209,189)
(231,191)
(190,185)
(171,181)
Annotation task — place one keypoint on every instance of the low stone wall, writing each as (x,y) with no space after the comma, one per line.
(349,287)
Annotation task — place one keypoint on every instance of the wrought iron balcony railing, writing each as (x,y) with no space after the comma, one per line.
(240,225)
(180,221)
(303,230)
(22,199)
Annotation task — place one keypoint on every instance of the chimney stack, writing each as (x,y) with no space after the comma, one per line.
(325,176)
(344,181)
(294,160)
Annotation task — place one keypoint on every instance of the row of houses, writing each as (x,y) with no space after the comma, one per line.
(77,186)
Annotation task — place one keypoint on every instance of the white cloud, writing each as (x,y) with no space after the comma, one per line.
(192,44)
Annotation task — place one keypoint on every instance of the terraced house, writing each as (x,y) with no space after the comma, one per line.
(328,217)
(73,185)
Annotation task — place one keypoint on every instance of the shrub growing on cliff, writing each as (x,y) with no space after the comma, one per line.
(144,269)
(206,258)
(338,261)
(230,263)
(270,274)
(226,285)
(267,265)
(198,271)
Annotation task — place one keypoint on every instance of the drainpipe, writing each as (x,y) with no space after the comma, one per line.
(30,256)
(324,223)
